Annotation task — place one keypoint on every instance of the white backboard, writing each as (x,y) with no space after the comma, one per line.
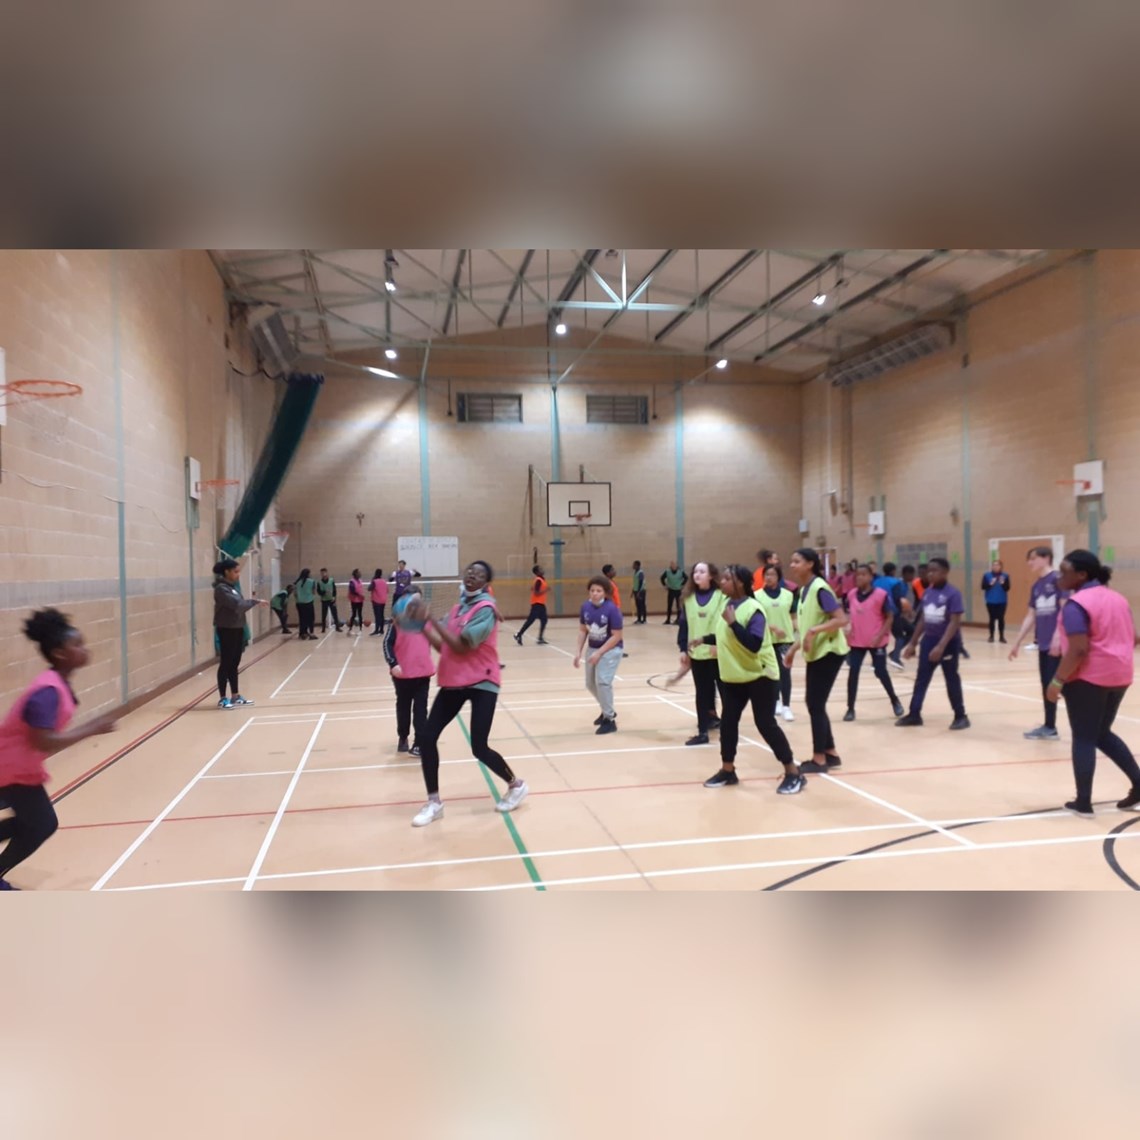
(565,500)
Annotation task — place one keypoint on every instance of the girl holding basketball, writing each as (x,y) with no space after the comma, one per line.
(35,728)
(408,653)
(467,642)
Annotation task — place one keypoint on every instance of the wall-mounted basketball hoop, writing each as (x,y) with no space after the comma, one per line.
(24,391)
(216,487)
(279,538)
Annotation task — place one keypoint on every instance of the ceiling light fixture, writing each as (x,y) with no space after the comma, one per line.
(819,299)
(722,364)
(560,328)
(390,286)
(381,372)
(390,353)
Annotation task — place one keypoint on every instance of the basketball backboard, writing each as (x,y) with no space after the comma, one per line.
(578,504)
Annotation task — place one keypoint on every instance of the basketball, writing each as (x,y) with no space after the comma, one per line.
(407,613)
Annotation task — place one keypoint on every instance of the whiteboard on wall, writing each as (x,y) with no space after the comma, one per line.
(433,555)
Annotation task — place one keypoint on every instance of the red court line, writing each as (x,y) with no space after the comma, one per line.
(551,792)
(144,737)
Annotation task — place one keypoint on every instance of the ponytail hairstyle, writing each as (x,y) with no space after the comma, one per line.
(302,576)
(50,630)
(742,575)
(1087,563)
(221,567)
(812,557)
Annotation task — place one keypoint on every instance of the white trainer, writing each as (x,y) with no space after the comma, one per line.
(513,798)
(429,813)
(788,714)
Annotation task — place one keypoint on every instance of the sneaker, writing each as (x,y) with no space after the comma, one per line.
(1078,808)
(791,785)
(513,798)
(429,813)
(849,715)
(814,766)
(606,726)
(598,719)
(540,641)
(518,638)
(959,723)
(1131,802)
(1042,733)
(700,738)
(714,724)
(240,700)
(7,886)
(414,750)
(722,779)
(898,709)
(911,720)
(990,641)
(402,745)
(788,714)
(225,703)
(895,662)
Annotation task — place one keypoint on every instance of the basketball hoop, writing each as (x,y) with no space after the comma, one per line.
(279,537)
(1080,486)
(215,486)
(21,391)
(581,520)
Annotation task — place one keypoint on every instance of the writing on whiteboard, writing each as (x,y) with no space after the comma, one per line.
(433,555)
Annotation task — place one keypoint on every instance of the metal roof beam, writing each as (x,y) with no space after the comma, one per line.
(520,276)
(702,298)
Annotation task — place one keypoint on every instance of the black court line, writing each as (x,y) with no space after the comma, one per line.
(1109,845)
(1110,851)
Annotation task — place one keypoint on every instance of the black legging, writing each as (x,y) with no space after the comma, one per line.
(674,596)
(639,602)
(378,616)
(1047,668)
(356,616)
(444,709)
(306,618)
(231,645)
(327,607)
(1092,709)
(30,828)
(821,676)
(283,615)
(878,663)
(785,674)
(997,617)
(706,678)
(411,705)
(761,695)
(537,613)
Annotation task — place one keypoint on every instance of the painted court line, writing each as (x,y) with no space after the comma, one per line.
(900,811)
(251,878)
(1033,700)
(290,677)
(611,848)
(344,670)
(150,828)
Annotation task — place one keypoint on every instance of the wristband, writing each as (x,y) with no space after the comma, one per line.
(1057,683)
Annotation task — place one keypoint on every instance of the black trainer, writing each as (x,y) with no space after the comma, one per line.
(897,709)
(911,720)
(518,638)
(722,779)
(1081,809)
(849,714)
(714,723)
(1131,802)
(402,746)
(606,726)
(959,723)
(791,785)
(700,738)
(600,719)
(813,765)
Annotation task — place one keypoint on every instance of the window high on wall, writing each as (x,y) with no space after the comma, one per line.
(489,408)
(617,409)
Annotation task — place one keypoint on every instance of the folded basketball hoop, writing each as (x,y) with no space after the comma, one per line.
(279,538)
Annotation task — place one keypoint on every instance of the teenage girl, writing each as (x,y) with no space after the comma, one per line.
(230,609)
(306,612)
(467,641)
(822,622)
(1097,639)
(356,602)
(410,664)
(538,591)
(701,606)
(777,601)
(36,728)
(872,612)
(378,589)
(600,623)
(749,675)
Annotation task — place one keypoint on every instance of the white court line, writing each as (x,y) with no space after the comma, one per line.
(1034,700)
(892,854)
(290,677)
(251,878)
(150,828)
(342,673)
(610,848)
(899,811)
(247,775)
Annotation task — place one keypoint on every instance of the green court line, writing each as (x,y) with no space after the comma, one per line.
(520,846)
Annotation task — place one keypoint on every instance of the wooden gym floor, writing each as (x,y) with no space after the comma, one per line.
(305,791)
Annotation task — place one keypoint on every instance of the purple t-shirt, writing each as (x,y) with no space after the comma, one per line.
(938,604)
(600,621)
(1074,616)
(42,707)
(1045,599)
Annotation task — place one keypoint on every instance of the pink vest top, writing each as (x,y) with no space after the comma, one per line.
(461,670)
(413,652)
(1112,636)
(380,591)
(867,619)
(355,590)
(20,763)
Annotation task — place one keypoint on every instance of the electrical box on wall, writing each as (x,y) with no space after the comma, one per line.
(805,526)
(877,523)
